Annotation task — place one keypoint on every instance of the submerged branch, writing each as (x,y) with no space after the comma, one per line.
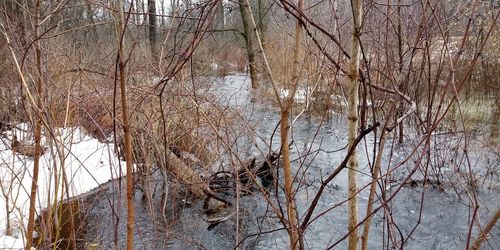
(482,236)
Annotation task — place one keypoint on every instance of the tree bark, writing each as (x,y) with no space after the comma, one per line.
(296,239)
(135,8)
(263,5)
(144,13)
(293,224)
(353,124)
(373,186)
(400,70)
(495,120)
(37,131)
(126,127)
(8,226)
(249,41)
(162,18)
(219,20)
(152,29)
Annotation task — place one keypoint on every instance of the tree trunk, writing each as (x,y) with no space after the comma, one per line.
(249,41)
(152,29)
(293,224)
(174,8)
(364,108)
(495,119)
(8,226)
(219,36)
(400,70)
(263,8)
(353,124)
(219,20)
(373,186)
(126,127)
(91,37)
(162,18)
(38,130)
(144,13)
(296,239)
(135,8)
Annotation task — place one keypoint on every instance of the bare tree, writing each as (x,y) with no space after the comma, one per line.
(152,29)
(353,121)
(38,127)
(296,240)
(249,41)
(264,8)
(122,65)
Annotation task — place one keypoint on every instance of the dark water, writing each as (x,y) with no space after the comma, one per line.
(317,149)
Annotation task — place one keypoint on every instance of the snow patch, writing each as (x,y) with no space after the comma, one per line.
(87,163)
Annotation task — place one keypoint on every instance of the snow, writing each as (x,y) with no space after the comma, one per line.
(303,94)
(300,94)
(87,163)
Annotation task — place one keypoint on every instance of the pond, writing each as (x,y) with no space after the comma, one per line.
(431,212)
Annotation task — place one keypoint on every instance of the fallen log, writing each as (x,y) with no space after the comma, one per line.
(263,171)
(193,182)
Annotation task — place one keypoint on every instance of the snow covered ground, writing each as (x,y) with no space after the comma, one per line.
(87,163)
